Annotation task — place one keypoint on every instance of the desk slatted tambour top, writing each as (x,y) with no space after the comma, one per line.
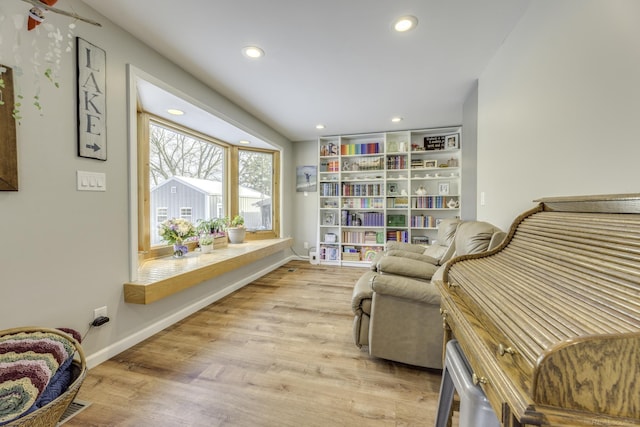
(550,320)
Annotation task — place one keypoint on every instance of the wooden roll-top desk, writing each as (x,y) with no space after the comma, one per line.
(550,320)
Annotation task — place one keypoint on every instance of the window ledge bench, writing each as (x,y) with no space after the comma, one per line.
(162,277)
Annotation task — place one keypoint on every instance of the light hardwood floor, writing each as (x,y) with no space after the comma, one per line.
(278,352)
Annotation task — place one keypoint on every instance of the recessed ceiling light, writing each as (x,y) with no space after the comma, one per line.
(319,126)
(405,23)
(252,52)
(244,141)
(175,111)
(396,119)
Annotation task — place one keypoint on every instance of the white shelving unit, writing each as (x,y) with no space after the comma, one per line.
(385,186)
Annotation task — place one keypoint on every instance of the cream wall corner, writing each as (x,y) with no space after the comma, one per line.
(559,106)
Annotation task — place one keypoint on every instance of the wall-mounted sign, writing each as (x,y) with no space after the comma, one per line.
(92,100)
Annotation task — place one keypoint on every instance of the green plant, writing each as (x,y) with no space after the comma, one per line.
(237,221)
(206,239)
(206,226)
(221,224)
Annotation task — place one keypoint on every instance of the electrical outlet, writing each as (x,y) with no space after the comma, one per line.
(98,312)
(306,245)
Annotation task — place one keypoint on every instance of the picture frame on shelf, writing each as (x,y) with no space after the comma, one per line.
(329,218)
(430,164)
(443,188)
(392,189)
(452,142)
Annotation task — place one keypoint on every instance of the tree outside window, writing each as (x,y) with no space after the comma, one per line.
(255,179)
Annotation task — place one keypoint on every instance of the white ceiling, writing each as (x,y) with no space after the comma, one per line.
(336,62)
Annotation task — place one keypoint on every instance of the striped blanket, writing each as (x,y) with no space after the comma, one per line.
(34,370)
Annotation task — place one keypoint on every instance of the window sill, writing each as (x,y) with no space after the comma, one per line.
(160,278)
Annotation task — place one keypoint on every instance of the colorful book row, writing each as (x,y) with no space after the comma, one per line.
(329,189)
(330,166)
(362,219)
(429,202)
(363,237)
(397,162)
(353,149)
(423,221)
(363,203)
(398,236)
(362,189)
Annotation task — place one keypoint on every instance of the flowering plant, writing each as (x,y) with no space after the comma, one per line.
(176,230)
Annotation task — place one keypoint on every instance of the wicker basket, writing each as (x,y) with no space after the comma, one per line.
(49,415)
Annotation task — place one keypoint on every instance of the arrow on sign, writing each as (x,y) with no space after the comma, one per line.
(94,147)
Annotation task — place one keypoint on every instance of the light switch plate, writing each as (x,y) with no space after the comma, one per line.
(91,181)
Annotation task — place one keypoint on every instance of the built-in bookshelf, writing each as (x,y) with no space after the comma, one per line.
(388,186)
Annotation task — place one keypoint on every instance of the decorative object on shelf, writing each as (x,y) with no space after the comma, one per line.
(443,188)
(432,143)
(175,231)
(452,142)
(453,203)
(452,162)
(330,238)
(8,142)
(392,189)
(430,164)
(329,218)
(306,178)
(236,230)
(396,220)
(421,191)
(392,147)
(92,101)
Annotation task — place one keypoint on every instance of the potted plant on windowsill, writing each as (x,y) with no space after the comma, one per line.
(176,231)
(206,243)
(215,228)
(236,230)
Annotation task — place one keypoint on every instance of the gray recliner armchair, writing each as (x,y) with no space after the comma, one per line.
(397,311)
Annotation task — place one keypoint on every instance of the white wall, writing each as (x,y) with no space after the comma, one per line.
(559,106)
(469,144)
(64,252)
(306,206)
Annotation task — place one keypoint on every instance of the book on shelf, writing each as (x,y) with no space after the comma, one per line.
(364,148)
(397,236)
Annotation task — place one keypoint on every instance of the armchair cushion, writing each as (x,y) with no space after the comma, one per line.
(476,237)
(402,246)
(443,247)
(413,255)
(402,287)
(406,267)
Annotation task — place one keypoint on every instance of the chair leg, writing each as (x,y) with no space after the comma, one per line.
(445,400)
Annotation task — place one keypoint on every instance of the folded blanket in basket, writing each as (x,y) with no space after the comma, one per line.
(33,371)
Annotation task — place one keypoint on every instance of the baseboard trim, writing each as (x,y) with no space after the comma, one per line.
(108,352)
